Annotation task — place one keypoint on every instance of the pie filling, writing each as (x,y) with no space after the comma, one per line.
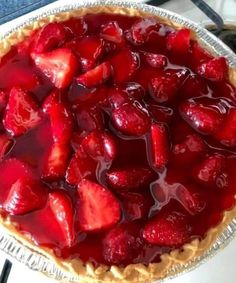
(118,139)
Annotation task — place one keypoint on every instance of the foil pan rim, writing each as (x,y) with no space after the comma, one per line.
(39,262)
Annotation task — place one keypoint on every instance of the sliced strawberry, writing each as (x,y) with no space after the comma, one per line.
(61,123)
(21,113)
(56,161)
(58,65)
(117,97)
(134,90)
(156,60)
(119,246)
(3,100)
(159,145)
(142,28)
(81,166)
(130,178)
(48,37)
(25,195)
(100,145)
(194,86)
(112,32)
(75,26)
(179,41)
(167,229)
(6,144)
(131,120)
(204,119)
(95,76)
(226,134)
(62,209)
(124,64)
(215,70)
(90,49)
(90,119)
(198,55)
(164,88)
(53,98)
(160,113)
(98,208)
(210,170)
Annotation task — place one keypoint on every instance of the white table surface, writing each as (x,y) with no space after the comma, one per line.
(221,268)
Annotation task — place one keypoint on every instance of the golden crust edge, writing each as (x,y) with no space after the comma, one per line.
(135,272)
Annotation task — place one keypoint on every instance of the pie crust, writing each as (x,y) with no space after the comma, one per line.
(134,272)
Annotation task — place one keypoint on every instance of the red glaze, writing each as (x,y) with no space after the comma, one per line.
(123,132)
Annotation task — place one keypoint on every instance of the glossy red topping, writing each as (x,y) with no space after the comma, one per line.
(117,138)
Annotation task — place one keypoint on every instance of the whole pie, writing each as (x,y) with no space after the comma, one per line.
(117,143)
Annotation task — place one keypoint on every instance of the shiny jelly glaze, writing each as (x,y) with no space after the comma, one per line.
(32,147)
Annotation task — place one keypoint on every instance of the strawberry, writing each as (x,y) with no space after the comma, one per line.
(81,166)
(25,195)
(98,208)
(58,65)
(61,123)
(48,38)
(130,178)
(90,119)
(195,86)
(164,88)
(3,100)
(21,113)
(63,212)
(156,60)
(131,120)
(100,145)
(198,55)
(160,113)
(89,49)
(96,76)
(75,26)
(134,90)
(210,170)
(142,28)
(117,97)
(125,64)
(226,134)
(204,119)
(112,32)
(159,145)
(53,98)
(119,246)
(56,161)
(6,144)
(215,69)
(167,229)
(179,41)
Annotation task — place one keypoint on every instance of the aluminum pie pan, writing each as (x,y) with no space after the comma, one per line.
(35,260)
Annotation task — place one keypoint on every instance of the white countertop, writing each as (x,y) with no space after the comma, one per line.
(220,268)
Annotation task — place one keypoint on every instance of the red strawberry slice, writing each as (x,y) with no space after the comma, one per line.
(130,178)
(3,100)
(226,134)
(75,26)
(63,212)
(117,97)
(159,145)
(58,65)
(53,98)
(61,123)
(95,76)
(167,229)
(142,28)
(81,166)
(56,161)
(204,119)
(134,90)
(195,86)
(6,144)
(131,120)
(211,170)
(124,64)
(112,32)
(98,208)
(25,195)
(90,119)
(21,113)
(156,60)
(120,246)
(178,41)
(198,55)
(48,37)
(215,70)
(164,88)
(160,113)
(90,49)
(100,145)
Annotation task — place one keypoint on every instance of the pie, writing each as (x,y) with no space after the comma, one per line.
(118,143)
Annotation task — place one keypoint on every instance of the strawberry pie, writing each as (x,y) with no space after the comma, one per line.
(117,143)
